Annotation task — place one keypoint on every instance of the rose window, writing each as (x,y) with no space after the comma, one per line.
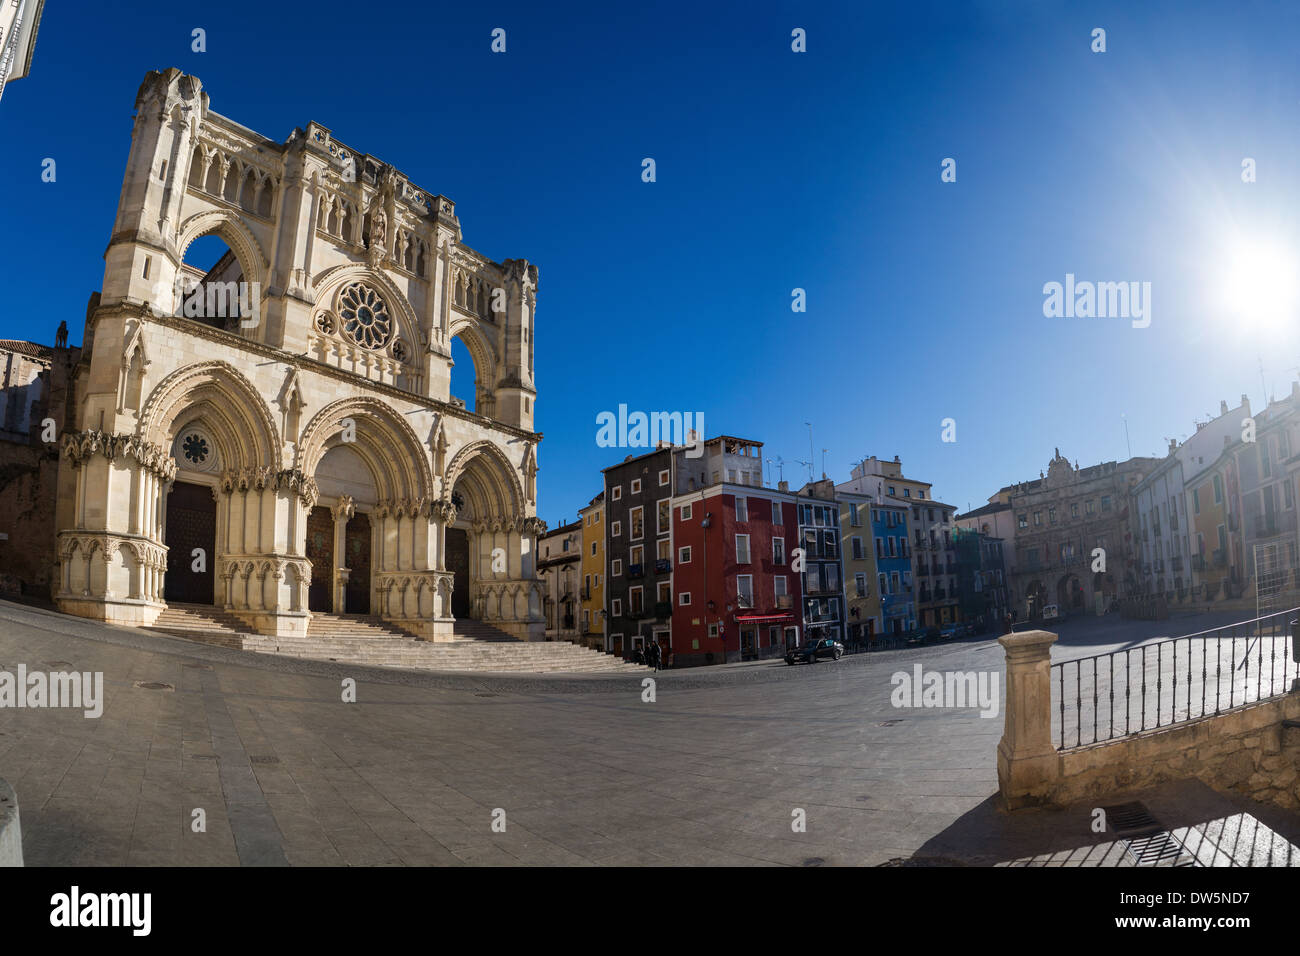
(365,316)
(195,449)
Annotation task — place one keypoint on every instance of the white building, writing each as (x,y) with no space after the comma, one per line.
(19,21)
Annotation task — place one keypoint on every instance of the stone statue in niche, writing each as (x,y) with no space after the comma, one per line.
(379,231)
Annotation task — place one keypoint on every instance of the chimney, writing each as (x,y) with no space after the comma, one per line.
(783,486)
(1173,445)
(1223,407)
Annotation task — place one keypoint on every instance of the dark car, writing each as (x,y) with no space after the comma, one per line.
(813,651)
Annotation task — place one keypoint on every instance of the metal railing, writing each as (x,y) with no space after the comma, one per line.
(1172,681)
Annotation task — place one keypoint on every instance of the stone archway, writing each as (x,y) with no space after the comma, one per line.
(368,465)
(488,504)
(223,438)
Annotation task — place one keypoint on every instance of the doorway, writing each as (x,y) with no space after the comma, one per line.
(320,552)
(458,564)
(191,527)
(356,547)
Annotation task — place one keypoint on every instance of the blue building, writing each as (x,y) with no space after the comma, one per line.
(893,567)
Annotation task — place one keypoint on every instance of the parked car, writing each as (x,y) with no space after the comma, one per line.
(813,651)
(949,631)
(1052,613)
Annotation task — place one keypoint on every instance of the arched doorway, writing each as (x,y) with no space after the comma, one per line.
(191,539)
(1069,592)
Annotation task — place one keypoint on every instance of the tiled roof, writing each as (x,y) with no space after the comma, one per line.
(31,349)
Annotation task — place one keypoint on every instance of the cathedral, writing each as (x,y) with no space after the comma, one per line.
(274,433)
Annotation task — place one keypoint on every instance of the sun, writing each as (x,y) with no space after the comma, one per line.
(1261,284)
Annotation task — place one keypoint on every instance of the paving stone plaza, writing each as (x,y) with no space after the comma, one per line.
(580,770)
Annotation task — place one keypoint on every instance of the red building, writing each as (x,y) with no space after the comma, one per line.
(735,595)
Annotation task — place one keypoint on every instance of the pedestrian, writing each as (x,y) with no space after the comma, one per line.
(1008,625)
(656,653)
(638,655)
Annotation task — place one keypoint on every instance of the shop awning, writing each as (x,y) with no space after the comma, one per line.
(764,617)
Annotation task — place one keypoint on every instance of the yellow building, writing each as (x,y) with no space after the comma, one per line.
(593,573)
(1213,527)
(861,588)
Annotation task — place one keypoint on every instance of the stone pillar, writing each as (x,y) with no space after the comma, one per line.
(1028,765)
(343,512)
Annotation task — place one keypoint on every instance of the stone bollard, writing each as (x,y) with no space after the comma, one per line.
(1028,765)
(11,838)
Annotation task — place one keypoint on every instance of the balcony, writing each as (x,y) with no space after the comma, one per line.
(1219,557)
(1177,564)
(663,609)
(923,571)
(662,565)
(585,594)
(635,571)
(784,602)
(1265,526)
(1198,562)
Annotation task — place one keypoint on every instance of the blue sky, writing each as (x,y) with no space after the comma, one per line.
(775,171)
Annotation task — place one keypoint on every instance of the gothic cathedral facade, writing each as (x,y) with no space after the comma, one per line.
(275,435)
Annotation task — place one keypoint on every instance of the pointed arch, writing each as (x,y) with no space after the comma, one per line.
(383,438)
(219,394)
(490,476)
(231,229)
(481,350)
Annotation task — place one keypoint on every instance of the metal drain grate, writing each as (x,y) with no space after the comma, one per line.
(1145,839)
(1159,849)
(264,760)
(889,723)
(1130,818)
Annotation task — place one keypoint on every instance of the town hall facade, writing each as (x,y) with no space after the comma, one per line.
(275,434)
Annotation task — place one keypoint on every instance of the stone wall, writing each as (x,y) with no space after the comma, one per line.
(1250,749)
(1247,750)
(28,479)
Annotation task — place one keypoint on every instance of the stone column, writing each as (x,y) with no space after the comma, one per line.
(343,512)
(1028,765)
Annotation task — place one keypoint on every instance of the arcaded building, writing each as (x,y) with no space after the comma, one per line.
(273,432)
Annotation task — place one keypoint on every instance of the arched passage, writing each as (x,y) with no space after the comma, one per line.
(374,482)
(473,372)
(221,275)
(495,566)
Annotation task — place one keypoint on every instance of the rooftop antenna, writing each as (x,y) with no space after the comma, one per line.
(811,455)
(824,450)
(1261,379)
(1126,438)
(809,464)
(780,467)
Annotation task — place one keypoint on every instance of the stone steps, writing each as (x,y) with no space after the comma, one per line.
(368,640)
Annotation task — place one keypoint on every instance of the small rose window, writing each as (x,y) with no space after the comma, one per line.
(365,316)
(195,448)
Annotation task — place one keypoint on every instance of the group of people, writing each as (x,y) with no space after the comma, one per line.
(652,654)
